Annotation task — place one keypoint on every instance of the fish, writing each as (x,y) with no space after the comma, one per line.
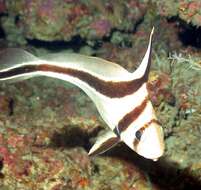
(121,97)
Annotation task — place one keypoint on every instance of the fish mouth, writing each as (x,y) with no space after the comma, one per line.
(154,154)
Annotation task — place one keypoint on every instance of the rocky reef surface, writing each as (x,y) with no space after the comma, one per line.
(50,20)
(187,10)
(47,126)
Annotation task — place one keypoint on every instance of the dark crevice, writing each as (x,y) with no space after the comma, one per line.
(74,44)
(188,34)
(2,33)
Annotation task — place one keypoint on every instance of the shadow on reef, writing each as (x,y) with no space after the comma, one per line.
(165,174)
(73,44)
(73,136)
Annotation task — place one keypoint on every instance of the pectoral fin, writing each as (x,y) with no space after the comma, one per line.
(104,143)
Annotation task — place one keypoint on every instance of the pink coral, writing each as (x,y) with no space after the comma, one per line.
(7,159)
(193,7)
(2,6)
(159,90)
(102,27)
(76,12)
(16,141)
(46,9)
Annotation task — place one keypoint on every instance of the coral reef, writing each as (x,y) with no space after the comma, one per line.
(188,11)
(47,126)
(50,20)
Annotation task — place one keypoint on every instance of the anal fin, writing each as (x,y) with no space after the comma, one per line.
(104,143)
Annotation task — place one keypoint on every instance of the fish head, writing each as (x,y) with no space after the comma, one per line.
(149,141)
(145,135)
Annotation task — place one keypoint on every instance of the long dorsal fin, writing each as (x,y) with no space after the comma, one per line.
(143,70)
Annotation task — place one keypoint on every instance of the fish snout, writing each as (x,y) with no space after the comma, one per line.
(151,143)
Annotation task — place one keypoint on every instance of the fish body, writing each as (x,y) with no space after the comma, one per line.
(121,97)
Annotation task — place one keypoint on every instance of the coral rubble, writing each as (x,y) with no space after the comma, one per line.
(51,20)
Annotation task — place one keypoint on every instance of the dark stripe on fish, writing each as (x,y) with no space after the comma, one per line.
(142,129)
(131,116)
(116,131)
(108,88)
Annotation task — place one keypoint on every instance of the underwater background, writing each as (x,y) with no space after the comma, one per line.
(47,126)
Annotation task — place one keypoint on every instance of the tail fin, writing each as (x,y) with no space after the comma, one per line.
(12,57)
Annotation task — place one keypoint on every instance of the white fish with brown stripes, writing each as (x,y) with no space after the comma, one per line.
(121,97)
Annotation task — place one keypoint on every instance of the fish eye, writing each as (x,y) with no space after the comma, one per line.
(138,135)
